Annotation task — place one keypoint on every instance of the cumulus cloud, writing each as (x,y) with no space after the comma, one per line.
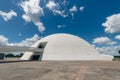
(51,4)
(73,10)
(3,40)
(61,13)
(113,50)
(117,37)
(103,40)
(60,26)
(56,8)
(112,24)
(27,42)
(81,8)
(7,16)
(32,13)
(112,43)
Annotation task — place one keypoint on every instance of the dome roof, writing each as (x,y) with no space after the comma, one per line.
(67,47)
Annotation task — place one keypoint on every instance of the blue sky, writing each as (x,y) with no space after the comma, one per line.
(98,22)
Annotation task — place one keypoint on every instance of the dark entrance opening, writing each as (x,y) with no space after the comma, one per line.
(35,57)
(38,55)
(42,45)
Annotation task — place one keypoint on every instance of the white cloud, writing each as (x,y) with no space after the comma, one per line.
(73,10)
(109,50)
(3,40)
(61,13)
(60,26)
(112,43)
(112,25)
(51,4)
(103,40)
(19,34)
(8,16)
(32,12)
(82,8)
(117,37)
(56,9)
(26,42)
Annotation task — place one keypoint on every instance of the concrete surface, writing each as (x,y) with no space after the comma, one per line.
(60,70)
(62,46)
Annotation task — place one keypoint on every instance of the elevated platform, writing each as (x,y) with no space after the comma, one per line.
(19,49)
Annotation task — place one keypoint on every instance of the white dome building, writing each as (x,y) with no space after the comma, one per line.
(64,47)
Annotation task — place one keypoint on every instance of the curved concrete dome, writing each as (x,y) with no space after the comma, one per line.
(65,47)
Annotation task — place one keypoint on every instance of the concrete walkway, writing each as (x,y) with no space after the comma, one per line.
(60,70)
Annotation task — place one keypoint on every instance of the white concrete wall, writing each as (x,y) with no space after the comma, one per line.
(68,47)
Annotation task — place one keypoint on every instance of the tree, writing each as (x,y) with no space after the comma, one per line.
(9,55)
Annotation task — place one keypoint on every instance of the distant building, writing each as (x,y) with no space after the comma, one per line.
(64,47)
